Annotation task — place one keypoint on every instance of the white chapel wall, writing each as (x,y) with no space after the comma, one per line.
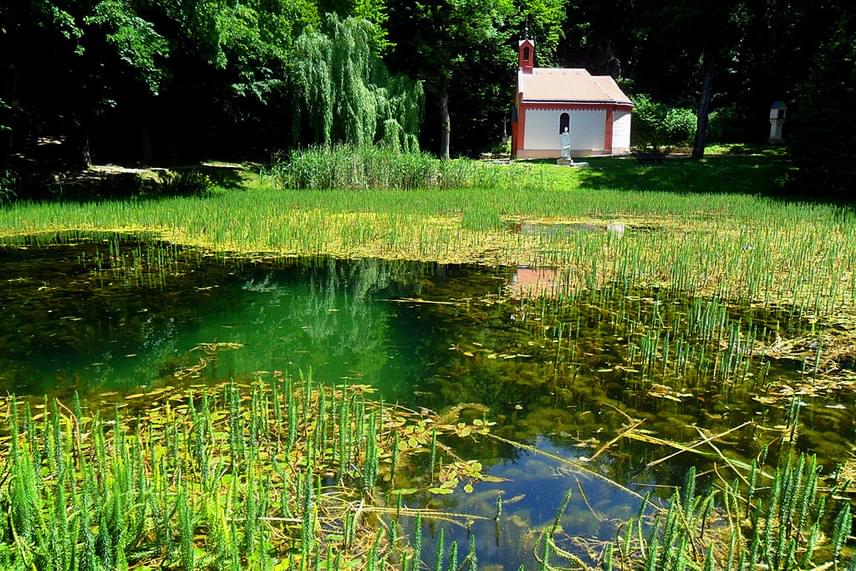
(587,130)
(621,132)
(542,129)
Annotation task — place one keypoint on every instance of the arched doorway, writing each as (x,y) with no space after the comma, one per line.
(564,122)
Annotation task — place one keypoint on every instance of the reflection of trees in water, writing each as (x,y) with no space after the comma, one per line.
(63,315)
(63,312)
(70,320)
(333,316)
(343,314)
(342,293)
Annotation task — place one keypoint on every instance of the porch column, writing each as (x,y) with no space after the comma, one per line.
(607,130)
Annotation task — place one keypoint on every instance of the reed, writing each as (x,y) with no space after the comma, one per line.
(361,168)
(203,480)
(695,533)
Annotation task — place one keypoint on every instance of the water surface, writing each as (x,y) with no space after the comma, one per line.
(109,313)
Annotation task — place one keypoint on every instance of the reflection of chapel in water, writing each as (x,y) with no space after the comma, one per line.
(548,101)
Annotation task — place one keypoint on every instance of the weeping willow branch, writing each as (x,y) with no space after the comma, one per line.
(348,95)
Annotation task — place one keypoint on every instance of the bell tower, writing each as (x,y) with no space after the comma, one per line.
(526,53)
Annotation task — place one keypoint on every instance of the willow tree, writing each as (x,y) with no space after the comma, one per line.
(346,94)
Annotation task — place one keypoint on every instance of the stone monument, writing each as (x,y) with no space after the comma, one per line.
(565,144)
(565,141)
(777,120)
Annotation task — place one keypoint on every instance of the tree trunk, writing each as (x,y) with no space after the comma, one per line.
(86,153)
(146,138)
(703,110)
(77,154)
(445,122)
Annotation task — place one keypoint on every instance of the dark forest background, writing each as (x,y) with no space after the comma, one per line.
(171,81)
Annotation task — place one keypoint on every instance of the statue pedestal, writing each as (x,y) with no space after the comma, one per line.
(569,162)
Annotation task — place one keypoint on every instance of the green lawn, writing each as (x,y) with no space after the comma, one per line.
(720,226)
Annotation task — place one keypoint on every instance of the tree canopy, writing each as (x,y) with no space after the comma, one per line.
(146,80)
(345,93)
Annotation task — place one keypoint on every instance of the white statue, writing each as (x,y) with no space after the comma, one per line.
(565,141)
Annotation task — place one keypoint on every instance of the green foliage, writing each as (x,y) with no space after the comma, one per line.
(728,124)
(148,79)
(218,77)
(392,135)
(359,168)
(545,20)
(184,183)
(53,15)
(647,120)
(136,42)
(375,12)
(656,124)
(466,51)
(679,125)
(255,41)
(348,96)
(89,493)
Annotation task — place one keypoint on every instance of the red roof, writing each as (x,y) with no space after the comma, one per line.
(569,85)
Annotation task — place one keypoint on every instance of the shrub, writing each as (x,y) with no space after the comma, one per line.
(726,125)
(656,124)
(184,183)
(647,117)
(679,126)
(351,167)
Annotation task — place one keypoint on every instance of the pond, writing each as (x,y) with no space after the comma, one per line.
(613,379)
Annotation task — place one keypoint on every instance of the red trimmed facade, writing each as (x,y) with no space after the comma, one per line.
(518,127)
(598,111)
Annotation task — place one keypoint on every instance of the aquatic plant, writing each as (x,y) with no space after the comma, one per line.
(766,252)
(781,529)
(749,305)
(222,477)
(347,167)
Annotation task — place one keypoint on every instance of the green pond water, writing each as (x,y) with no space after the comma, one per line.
(104,314)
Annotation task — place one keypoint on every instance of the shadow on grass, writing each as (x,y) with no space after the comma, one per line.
(113,182)
(224,175)
(717,174)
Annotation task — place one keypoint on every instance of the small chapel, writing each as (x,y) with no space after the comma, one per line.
(591,110)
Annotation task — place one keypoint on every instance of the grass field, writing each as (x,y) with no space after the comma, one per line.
(716,226)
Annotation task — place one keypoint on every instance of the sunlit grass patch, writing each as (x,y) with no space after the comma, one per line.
(722,233)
